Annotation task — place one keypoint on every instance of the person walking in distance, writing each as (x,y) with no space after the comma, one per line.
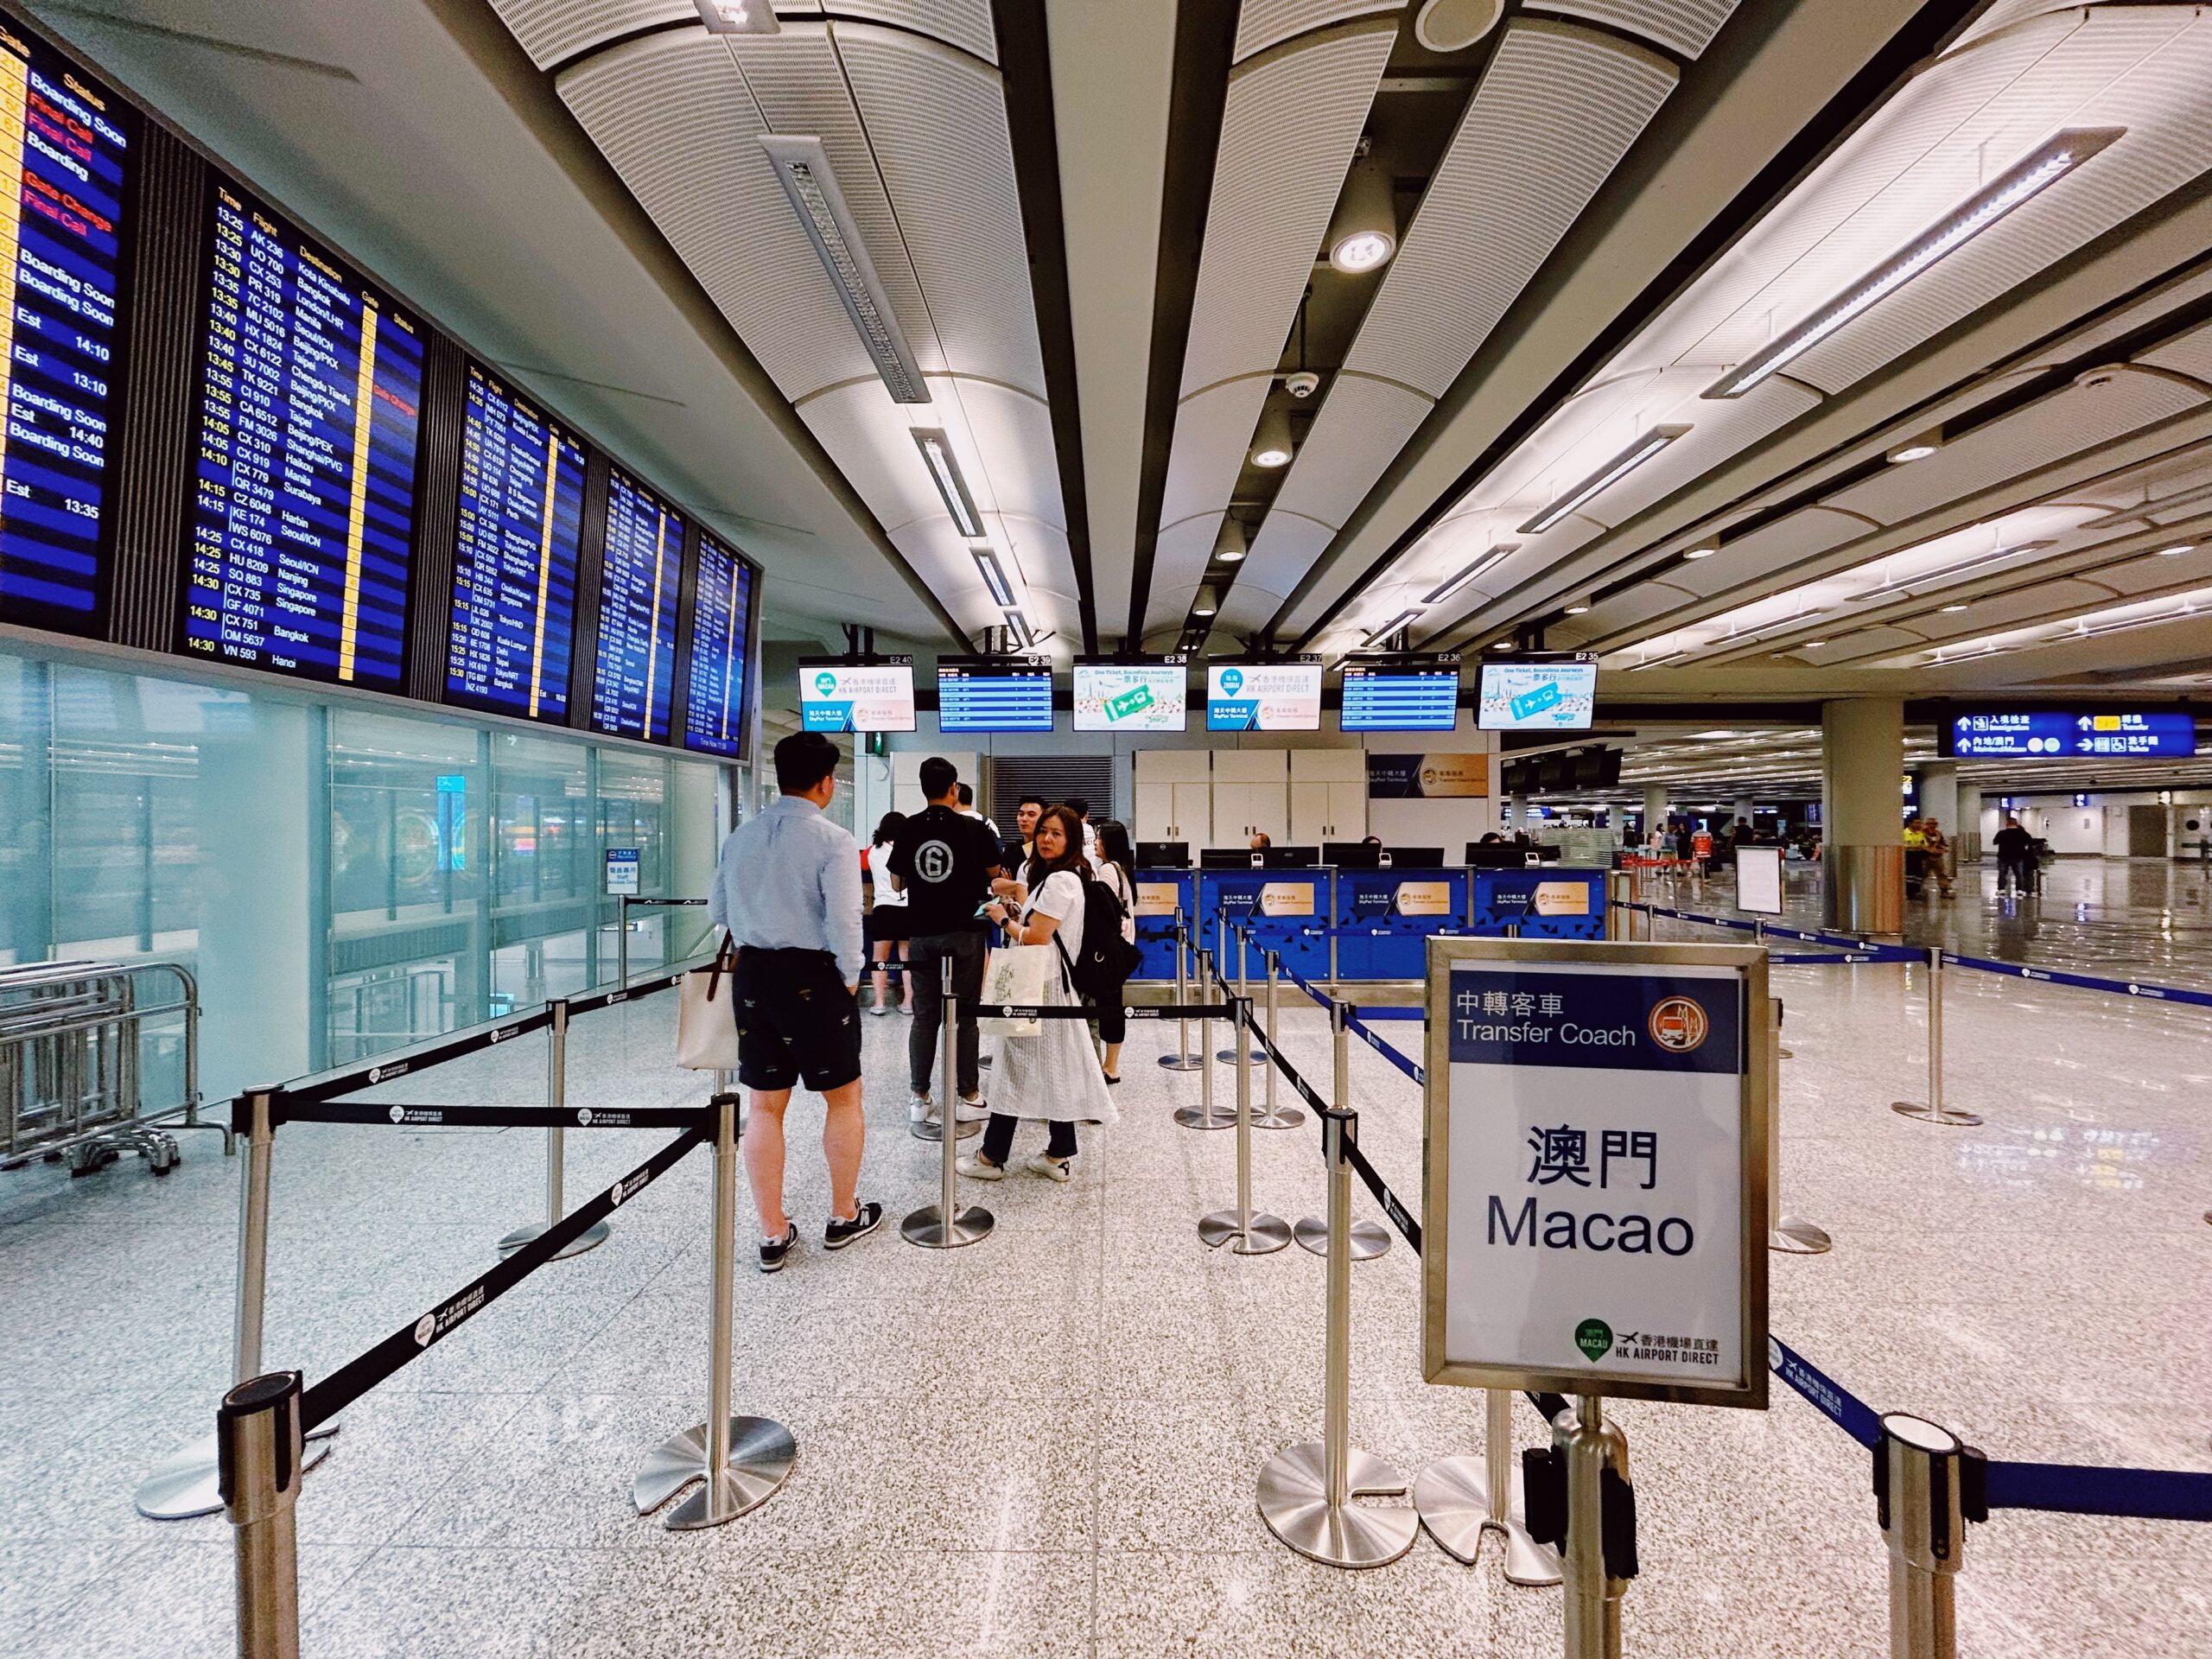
(886,917)
(943,861)
(1116,867)
(788,889)
(2015,857)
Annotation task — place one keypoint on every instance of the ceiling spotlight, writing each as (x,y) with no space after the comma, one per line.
(2176,550)
(1954,609)
(1364,233)
(1271,443)
(1611,474)
(986,563)
(1813,645)
(1455,25)
(1917,448)
(1230,547)
(1578,607)
(937,453)
(1452,584)
(803,168)
(1706,550)
(2043,167)
(739,16)
(1392,625)
(1501,644)
(1206,602)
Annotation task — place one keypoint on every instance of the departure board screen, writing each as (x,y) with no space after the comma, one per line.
(994,693)
(721,621)
(310,392)
(639,570)
(1403,696)
(514,580)
(64,152)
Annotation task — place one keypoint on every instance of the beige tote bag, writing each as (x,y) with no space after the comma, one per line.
(706,1027)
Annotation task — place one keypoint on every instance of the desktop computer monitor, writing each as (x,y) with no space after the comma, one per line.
(1164,855)
(1289,858)
(1415,858)
(1351,855)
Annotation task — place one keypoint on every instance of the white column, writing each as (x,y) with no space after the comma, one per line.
(1655,808)
(1862,817)
(1966,836)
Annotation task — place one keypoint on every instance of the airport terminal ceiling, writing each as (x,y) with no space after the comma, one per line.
(1766,350)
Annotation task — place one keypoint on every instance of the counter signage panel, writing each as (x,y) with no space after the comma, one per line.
(721,621)
(311,387)
(1401,698)
(1264,696)
(837,696)
(2048,734)
(64,164)
(1111,696)
(639,570)
(994,693)
(514,591)
(1556,696)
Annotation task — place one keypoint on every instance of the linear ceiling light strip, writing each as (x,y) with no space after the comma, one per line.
(945,471)
(1605,477)
(1452,584)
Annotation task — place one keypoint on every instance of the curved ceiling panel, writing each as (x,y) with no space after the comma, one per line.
(2190,355)
(1263,24)
(964,23)
(876,455)
(553,31)
(1361,426)
(1013,432)
(1748,559)
(1683,26)
(1212,430)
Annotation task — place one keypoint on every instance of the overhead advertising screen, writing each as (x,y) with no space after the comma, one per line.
(65,164)
(994,693)
(1558,695)
(2049,733)
(1401,697)
(1111,696)
(640,569)
(1264,696)
(514,581)
(310,389)
(722,622)
(836,696)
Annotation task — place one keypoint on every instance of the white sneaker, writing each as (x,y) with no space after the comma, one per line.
(921,1109)
(973,1109)
(972,1166)
(879,1007)
(1052,1169)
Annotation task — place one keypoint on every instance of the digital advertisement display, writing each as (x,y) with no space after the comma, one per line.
(515,547)
(1556,696)
(64,177)
(2049,733)
(310,398)
(836,695)
(1264,696)
(1130,696)
(994,693)
(640,569)
(1401,698)
(721,620)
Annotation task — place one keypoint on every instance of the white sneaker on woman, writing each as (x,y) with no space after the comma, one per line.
(972,1166)
(1052,1169)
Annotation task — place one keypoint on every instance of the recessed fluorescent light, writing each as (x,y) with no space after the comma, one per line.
(1017,625)
(1952,610)
(739,17)
(2040,169)
(945,470)
(1706,551)
(803,168)
(1811,644)
(2178,550)
(994,577)
(1578,607)
(1452,585)
(1392,625)
(1611,474)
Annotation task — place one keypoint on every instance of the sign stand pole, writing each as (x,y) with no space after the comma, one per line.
(1791,1234)
(1369,1238)
(1182,1059)
(1278,1117)
(1935,1111)
(1594,1448)
(1246,1230)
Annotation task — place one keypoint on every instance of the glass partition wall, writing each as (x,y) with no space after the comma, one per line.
(344,881)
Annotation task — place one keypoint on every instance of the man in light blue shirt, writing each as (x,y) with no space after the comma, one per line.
(789,892)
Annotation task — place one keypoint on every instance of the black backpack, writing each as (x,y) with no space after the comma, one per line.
(1104,959)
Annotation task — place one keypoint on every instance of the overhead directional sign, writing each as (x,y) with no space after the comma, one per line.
(2056,733)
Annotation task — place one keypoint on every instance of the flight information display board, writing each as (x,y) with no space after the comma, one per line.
(721,621)
(65,159)
(310,393)
(1401,698)
(2048,734)
(514,579)
(994,693)
(639,570)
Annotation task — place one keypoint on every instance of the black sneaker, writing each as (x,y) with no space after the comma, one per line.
(773,1250)
(838,1234)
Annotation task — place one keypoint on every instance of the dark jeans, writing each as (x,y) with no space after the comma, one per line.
(924,952)
(998,1139)
(1112,1024)
(2017,872)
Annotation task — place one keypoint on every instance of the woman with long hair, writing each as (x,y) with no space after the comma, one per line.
(887,919)
(1054,1075)
(1117,869)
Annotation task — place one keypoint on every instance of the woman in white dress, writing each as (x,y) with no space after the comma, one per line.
(1054,1075)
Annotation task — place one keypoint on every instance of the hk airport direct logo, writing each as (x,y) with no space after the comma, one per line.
(1595,1339)
(825,683)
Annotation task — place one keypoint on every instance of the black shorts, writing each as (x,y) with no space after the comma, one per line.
(887,925)
(795,1022)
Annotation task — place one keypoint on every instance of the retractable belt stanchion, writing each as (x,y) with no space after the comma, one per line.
(185,1483)
(556,1096)
(1367,1239)
(1596,1577)
(1926,1487)
(1203,1116)
(1243,936)
(1460,1499)
(1182,1059)
(944,1225)
(1282,1115)
(736,1462)
(1933,1111)
(1791,1234)
(1305,1490)
(258,1428)
(1244,1230)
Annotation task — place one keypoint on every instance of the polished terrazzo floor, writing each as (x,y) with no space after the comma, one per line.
(1046,1444)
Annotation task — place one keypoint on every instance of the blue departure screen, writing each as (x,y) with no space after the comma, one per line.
(639,568)
(996,694)
(721,620)
(1401,698)
(310,394)
(2049,733)
(64,154)
(514,579)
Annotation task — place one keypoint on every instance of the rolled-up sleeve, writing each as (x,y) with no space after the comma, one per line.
(841,900)
(718,894)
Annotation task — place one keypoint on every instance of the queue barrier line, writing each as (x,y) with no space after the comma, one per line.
(1091,1011)
(376,1114)
(1861,950)
(2082,982)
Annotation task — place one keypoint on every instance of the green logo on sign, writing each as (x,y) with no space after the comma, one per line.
(1594,1338)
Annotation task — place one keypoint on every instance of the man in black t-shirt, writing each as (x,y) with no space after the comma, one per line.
(2016,858)
(943,861)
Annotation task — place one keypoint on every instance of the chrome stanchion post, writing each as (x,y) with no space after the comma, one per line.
(257,1431)
(740,1467)
(1921,1502)
(1368,1239)
(1244,1230)
(1790,1235)
(1243,933)
(1592,1446)
(622,940)
(1203,1116)
(1933,1111)
(556,1150)
(1182,1059)
(944,1225)
(1276,1115)
(1305,1490)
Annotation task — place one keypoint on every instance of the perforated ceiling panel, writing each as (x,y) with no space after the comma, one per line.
(1279,556)
(1683,26)
(1361,426)
(1212,430)
(1263,24)
(553,31)
(2190,355)
(964,23)
(1755,556)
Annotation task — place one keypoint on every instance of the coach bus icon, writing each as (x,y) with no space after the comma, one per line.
(1679,1025)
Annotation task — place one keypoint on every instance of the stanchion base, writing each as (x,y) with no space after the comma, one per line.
(1294,1502)
(1197,1117)
(590,1239)
(926,1228)
(1452,1499)
(1369,1238)
(1183,1062)
(1263,1234)
(934,1133)
(1793,1237)
(1784,1054)
(1283,1117)
(1933,1115)
(1228,1056)
(761,1454)
(183,1484)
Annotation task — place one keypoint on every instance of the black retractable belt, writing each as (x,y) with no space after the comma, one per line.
(1543,1494)
(1617,1523)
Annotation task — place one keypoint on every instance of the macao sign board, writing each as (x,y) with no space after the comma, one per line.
(1595,1205)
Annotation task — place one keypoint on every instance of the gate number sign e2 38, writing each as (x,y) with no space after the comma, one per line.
(1597,1164)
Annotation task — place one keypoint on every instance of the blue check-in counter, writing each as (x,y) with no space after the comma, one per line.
(1550,903)
(1289,911)
(1399,909)
(1158,891)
